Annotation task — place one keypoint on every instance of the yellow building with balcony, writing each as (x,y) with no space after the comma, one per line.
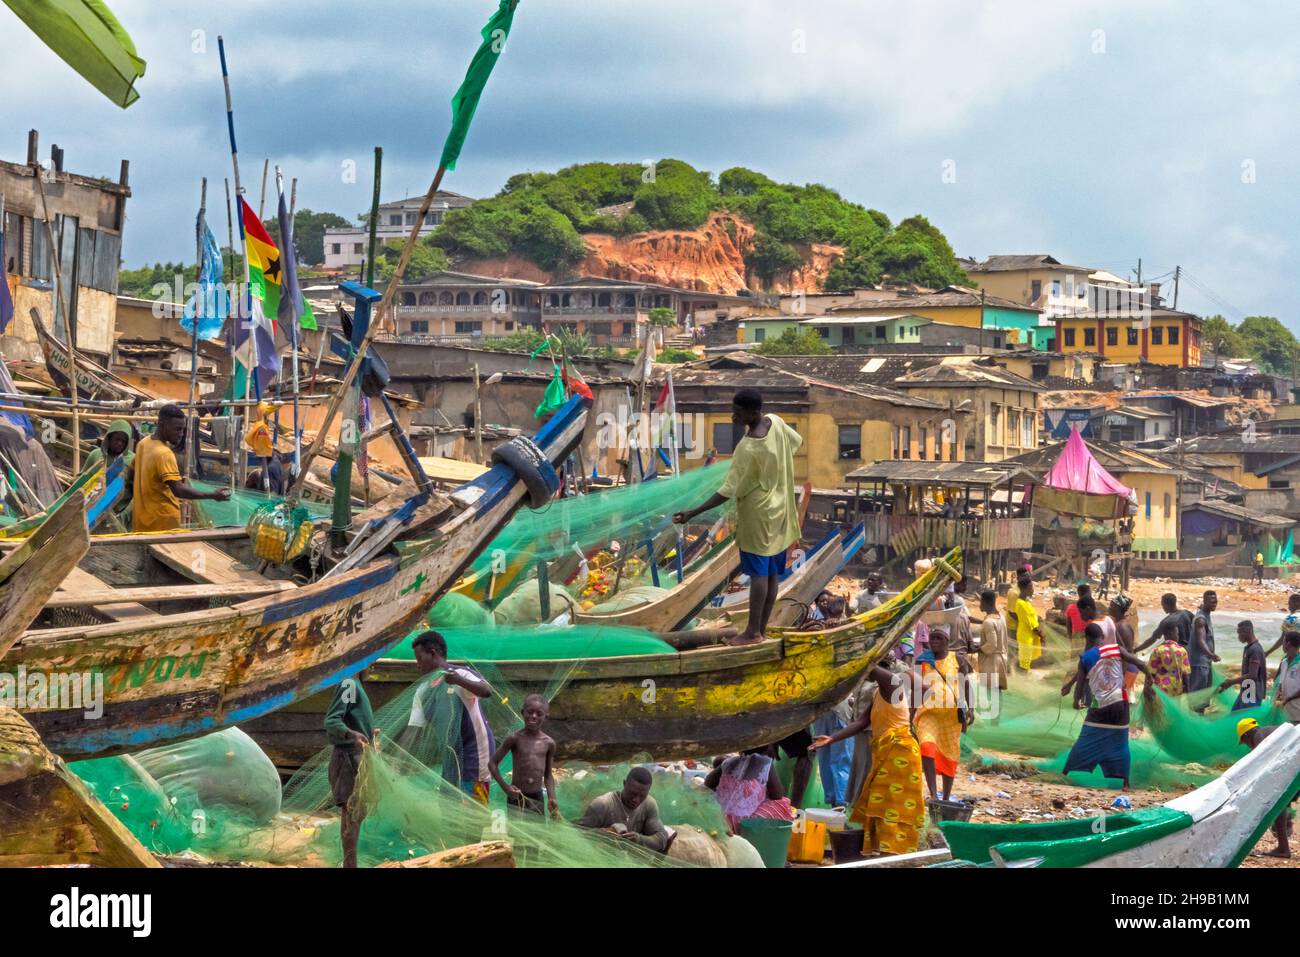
(1162,336)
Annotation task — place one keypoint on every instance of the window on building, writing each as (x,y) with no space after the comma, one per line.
(851,442)
(1013,426)
(395,219)
(336,248)
(419,325)
(760,334)
(358,248)
(410,219)
(1035,290)
(1028,421)
(600,328)
(1169,505)
(724,438)
(1112,336)
(880,332)
(1056,289)
(847,335)
(468,327)
(1157,335)
(1173,335)
(1069,338)
(13,231)
(1090,336)
(1148,505)
(905,442)
(824,332)
(510,326)
(995,425)
(1132,336)
(922,444)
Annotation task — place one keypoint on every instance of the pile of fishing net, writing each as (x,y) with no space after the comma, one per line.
(218,796)
(1176,741)
(571,533)
(244,504)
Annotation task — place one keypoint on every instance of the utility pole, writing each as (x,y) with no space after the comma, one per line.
(1178,273)
(1139,270)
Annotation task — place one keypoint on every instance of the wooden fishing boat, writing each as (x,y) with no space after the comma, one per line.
(700,702)
(800,586)
(1214,826)
(48,817)
(173,666)
(674,609)
(30,573)
(93,382)
(1184,567)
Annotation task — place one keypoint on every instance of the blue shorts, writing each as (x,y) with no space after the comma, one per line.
(762,566)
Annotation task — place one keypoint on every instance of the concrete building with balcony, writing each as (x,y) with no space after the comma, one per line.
(84,233)
(465,308)
(1129,336)
(614,312)
(346,246)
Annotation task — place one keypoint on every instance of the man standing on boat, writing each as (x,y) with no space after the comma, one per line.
(761,480)
(155,505)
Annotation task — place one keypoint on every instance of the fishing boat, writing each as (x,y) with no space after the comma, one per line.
(48,817)
(30,573)
(679,604)
(1214,826)
(1185,567)
(173,665)
(699,702)
(93,381)
(800,586)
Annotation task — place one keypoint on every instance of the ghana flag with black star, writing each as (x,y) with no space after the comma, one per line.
(265,273)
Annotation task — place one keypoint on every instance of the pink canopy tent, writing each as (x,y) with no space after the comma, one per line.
(1077,471)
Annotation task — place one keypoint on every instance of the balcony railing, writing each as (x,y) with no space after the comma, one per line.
(906,533)
(589,310)
(485,309)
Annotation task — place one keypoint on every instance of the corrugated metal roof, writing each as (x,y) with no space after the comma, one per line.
(913,472)
(1240,513)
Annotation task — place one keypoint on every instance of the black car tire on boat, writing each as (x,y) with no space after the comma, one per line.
(531,465)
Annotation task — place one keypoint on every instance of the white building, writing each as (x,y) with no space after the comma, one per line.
(345,246)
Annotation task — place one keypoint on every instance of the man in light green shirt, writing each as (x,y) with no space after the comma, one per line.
(761,480)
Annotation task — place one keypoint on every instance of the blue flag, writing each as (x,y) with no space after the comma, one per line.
(6,300)
(210,302)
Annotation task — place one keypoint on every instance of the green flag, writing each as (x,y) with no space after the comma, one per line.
(90,40)
(554,397)
(465,102)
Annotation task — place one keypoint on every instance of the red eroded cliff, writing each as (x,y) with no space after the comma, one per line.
(708,259)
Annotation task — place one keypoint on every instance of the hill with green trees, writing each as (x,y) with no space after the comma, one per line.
(543,216)
(1261,338)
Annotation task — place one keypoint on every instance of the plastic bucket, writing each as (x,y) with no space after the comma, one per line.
(846,843)
(941,810)
(770,838)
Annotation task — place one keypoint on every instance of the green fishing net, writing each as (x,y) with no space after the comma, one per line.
(530,643)
(243,504)
(1175,741)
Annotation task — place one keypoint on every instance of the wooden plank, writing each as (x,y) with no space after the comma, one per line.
(484,854)
(203,563)
(55,548)
(79,580)
(163,593)
(156,538)
(915,859)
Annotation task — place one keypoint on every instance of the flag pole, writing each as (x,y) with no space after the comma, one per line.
(245,303)
(374,218)
(192,433)
(284,242)
(464,104)
(69,322)
(230,244)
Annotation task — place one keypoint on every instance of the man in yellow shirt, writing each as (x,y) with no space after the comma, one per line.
(155,506)
(761,480)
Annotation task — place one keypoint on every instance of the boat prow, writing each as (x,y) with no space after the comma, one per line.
(1213,826)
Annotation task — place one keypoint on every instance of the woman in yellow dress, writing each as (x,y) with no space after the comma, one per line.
(943,712)
(890,805)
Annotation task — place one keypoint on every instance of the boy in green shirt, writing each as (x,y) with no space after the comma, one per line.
(350,727)
(761,480)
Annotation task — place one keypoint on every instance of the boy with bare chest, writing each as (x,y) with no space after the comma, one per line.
(532,755)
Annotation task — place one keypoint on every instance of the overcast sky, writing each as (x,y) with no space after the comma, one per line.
(1098,131)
